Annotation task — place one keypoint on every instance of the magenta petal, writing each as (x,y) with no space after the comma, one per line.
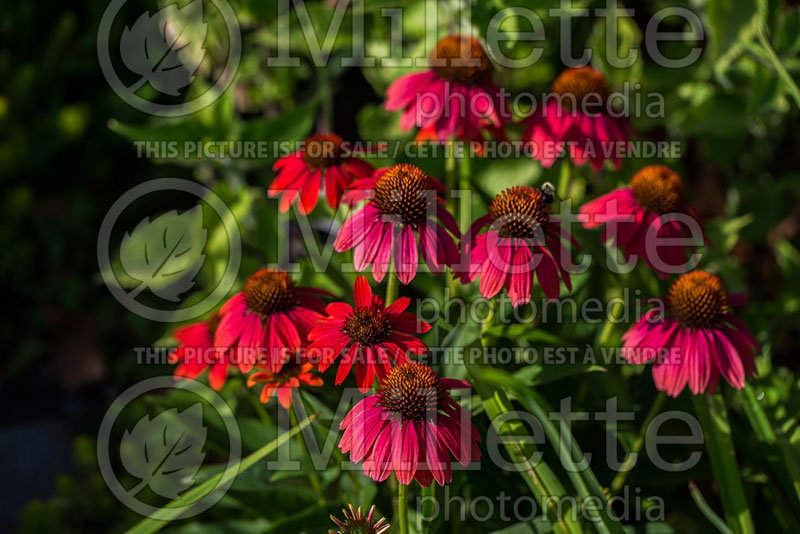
(728,361)
(406,255)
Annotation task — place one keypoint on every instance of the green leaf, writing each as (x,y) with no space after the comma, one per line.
(539,477)
(524,331)
(713,415)
(536,375)
(563,442)
(519,528)
(290,126)
(728,20)
(783,459)
(787,41)
(499,174)
(706,510)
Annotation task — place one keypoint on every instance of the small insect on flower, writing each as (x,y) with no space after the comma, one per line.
(355,522)
(548,192)
(521,238)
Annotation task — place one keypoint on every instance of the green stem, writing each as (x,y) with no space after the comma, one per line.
(627,465)
(564,177)
(316,483)
(713,415)
(777,64)
(450,168)
(402,508)
(429,496)
(706,510)
(465,185)
(487,324)
(391,286)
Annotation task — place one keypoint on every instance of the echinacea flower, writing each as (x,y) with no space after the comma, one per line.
(576,116)
(455,98)
(196,352)
(270,318)
(522,238)
(410,426)
(322,158)
(402,201)
(370,337)
(355,522)
(694,338)
(292,373)
(652,206)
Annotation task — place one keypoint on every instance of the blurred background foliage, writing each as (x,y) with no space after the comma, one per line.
(67,153)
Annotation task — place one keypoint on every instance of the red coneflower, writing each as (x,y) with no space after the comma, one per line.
(371,337)
(697,335)
(577,115)
(289,376)
(270,318)
(652,200)
(355,522)
(196,352)
(409,426)
(323,157)
(402,200)
(522,238)
(455,98)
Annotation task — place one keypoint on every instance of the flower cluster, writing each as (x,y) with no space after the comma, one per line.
(285,331)
(410,425)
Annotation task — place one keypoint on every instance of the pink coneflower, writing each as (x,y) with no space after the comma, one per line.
(409,426)
(292,373)
(455,98)
(695,338)
(269,319)
(355,522)
(323,157)
(196,352)
(402,200)
(654,197)
(577,116)
(522,239)
(371,337)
